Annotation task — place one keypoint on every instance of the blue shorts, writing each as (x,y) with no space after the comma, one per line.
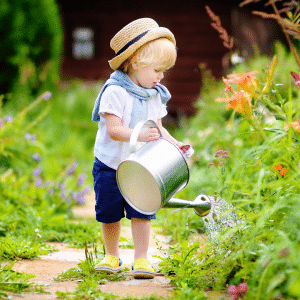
(110,204)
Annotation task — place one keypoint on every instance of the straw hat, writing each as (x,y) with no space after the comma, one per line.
(133,36)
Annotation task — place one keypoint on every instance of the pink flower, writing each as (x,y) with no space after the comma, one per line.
(221,153)
(221,163)
(242,287)
(296,78)
(232,289)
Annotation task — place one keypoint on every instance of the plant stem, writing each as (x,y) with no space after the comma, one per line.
(32,105)
(291,45)
(257,128)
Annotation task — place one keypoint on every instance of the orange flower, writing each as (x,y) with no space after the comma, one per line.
(280,169)
(239,101)
(228,86)
(244,81)
(295,125)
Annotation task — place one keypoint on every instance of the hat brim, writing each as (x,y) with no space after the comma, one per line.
(152,34)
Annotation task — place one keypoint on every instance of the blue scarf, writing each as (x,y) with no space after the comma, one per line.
(140,94)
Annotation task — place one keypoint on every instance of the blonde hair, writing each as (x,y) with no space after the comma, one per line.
(160,51)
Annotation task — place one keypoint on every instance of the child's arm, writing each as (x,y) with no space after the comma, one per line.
(167,135)
(118,132)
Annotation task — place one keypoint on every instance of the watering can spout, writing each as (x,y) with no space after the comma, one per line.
(201,204)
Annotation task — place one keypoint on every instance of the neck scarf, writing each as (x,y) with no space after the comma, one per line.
(140,94)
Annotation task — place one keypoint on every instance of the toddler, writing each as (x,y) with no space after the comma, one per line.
(144,51)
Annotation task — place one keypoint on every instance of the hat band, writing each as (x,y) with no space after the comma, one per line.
(131,42)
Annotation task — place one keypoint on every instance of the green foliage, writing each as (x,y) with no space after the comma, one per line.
(143,298)
(87,290)
(16,282)
(259,176)
(70,124)
(41,180)
(178,224)
(31,46)
(182,267)
(89,279)
(16,248)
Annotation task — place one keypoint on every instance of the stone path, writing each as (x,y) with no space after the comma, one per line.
(50,266)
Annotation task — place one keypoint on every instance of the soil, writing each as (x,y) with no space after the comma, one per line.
(50,266)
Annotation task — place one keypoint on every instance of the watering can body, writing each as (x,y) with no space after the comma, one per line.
(153,174)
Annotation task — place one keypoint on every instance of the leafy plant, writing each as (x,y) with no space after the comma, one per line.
(16,282)
(259,134)
(89,279)
(16,248)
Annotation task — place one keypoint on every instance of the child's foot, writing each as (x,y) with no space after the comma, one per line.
(142,269)
(109,265)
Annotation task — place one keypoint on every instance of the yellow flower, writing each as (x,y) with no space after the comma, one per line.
(245,81)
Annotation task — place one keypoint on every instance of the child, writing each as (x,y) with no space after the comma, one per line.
(144,51)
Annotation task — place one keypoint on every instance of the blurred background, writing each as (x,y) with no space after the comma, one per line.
(62,40)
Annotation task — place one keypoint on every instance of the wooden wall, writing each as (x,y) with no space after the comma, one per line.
(197,41)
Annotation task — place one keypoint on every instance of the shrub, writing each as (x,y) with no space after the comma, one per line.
(31,32)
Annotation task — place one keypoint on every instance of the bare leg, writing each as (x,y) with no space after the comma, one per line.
(111,235)
(141,235)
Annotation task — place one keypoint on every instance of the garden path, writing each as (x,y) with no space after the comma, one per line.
(50,266)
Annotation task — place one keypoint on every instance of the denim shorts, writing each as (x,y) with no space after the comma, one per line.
(110,204)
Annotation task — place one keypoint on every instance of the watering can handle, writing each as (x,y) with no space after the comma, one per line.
(136,131)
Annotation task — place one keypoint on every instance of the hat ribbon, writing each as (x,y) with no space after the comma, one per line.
(131,42)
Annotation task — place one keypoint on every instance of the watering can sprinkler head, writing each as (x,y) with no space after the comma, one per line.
(201,205)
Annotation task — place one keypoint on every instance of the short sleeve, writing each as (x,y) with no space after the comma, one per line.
(163,111)
(113,101)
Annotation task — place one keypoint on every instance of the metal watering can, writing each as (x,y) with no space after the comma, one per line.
(150,177)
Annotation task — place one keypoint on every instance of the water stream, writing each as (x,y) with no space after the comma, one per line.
(221,217)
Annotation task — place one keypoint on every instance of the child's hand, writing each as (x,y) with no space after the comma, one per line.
(179,144)
(149,134)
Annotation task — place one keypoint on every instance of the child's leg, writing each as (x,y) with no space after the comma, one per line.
(141,235)
(111,235)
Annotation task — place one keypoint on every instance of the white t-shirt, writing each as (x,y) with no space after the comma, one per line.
(116,100)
